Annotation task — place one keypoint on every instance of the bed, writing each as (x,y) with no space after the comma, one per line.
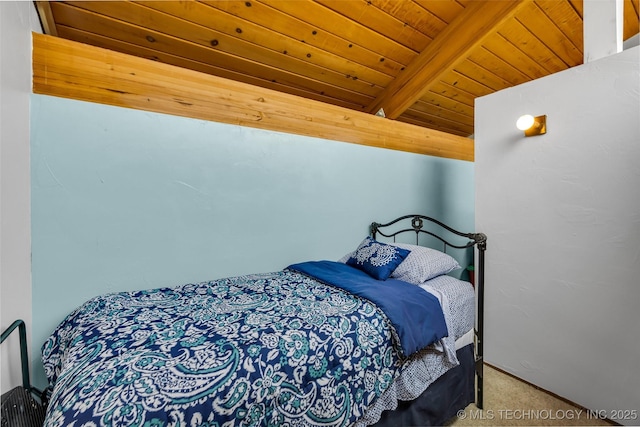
(383,336)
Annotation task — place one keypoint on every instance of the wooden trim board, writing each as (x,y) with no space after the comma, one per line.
(74,70)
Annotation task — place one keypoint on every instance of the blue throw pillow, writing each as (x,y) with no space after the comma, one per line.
(377,259)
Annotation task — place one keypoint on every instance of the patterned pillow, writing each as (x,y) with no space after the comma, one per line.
(377,259)
(423,264)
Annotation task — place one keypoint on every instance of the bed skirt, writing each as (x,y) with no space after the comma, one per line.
(441,401)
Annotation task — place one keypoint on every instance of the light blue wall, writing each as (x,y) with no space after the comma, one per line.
(124,199)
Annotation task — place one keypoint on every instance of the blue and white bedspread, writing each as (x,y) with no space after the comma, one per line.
(270,349)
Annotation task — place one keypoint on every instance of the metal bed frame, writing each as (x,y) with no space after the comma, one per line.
(477,240)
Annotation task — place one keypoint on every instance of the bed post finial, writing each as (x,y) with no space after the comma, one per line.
(481,240)
(373,229)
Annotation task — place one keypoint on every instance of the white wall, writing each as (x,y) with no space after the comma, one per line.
(17,20)
(562,215)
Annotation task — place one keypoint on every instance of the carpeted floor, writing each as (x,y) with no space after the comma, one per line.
(511,402)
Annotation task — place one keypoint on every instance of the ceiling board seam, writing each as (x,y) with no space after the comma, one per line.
(542,41)
(316,48)
(577,6)
(413,51)
(432,14)
(457,89)
(437,127)
(417,17)
(540,63)
(505,64)
(278,53)
(567,29)
(461,75)
(419,108)
(391,68)
(403,23)
(492,76)
(406,53)
(430,116)
(522,55)
(422,3)
(306,77)
(460,108)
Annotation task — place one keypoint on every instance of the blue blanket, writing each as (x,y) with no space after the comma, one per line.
(416,315)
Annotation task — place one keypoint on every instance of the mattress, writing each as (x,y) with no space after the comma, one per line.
(466,339)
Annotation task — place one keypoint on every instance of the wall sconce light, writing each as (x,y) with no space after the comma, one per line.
(532,125)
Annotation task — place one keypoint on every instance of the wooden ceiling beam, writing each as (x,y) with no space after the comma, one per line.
(74,70)
(46,17)
(452,46)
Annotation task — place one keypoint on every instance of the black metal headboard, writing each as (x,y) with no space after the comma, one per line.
(417,226)
(476,240)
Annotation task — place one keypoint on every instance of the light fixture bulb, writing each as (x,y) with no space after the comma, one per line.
(525,122)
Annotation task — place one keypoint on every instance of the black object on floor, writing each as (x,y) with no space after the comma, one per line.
(19,408)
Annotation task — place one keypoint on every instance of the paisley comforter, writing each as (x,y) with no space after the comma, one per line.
(271,349)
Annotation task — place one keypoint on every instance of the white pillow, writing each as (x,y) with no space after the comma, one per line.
(345,258)
(423,264)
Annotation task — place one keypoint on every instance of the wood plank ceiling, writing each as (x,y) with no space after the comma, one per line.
(422,61)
